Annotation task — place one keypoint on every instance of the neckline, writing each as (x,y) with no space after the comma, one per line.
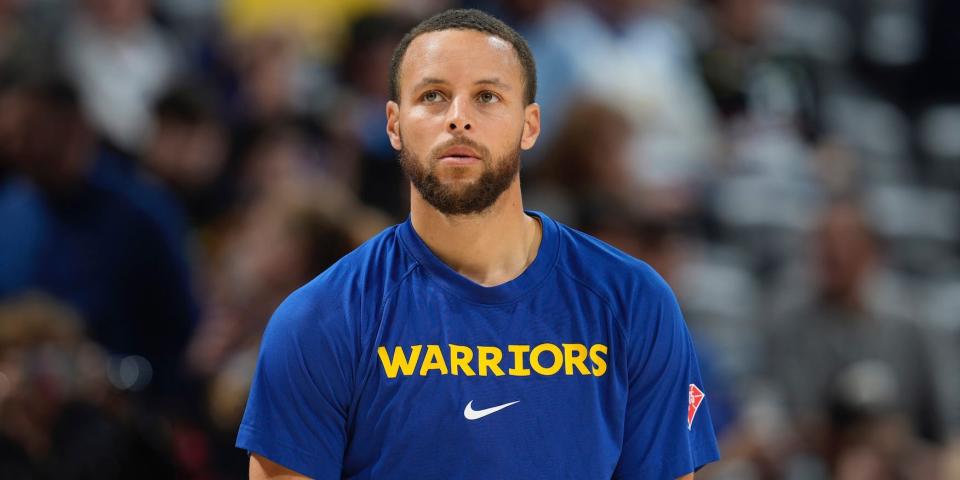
(471,291)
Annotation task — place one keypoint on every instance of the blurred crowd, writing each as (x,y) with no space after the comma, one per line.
(171,169)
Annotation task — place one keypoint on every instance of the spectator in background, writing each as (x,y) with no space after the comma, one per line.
(764,188)
(121,62)
(280,157)
(859,383)
(633,54)
(275,100)
(269,65)
(85,238)
(188,151)
(61,415)
(755,82)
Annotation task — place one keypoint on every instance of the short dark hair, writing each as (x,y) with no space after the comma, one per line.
(468,19)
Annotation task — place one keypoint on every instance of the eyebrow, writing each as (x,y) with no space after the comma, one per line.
(439,81)
(492,81)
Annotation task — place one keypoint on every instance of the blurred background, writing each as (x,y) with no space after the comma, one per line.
(171,169)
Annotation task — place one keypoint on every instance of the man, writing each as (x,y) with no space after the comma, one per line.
(476,340)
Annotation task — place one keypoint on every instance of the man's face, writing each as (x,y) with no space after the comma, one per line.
(461,122)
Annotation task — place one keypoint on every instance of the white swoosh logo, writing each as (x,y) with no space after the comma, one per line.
(472,414)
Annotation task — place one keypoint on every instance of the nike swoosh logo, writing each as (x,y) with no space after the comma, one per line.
(472,414)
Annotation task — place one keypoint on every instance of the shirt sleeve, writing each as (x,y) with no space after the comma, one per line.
(668,432)
(297,410)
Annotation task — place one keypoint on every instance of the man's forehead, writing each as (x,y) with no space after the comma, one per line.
(439,41)
(449,52)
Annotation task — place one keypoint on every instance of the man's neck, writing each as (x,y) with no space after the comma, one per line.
(489,248)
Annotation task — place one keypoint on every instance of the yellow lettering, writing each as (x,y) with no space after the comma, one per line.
(460,357)
(399,360)
(433,360)
(599,364)
(557,359)
(518,369)
(572,357)
(575,355)
(489,358)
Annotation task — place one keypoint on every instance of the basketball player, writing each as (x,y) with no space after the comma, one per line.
(476,339)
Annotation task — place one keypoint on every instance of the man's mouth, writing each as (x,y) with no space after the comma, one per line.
(458,159)
(459,153)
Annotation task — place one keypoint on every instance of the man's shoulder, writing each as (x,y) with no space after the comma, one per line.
(587,256)
(355,281)
(613,274)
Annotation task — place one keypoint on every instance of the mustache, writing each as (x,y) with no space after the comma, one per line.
(460,142)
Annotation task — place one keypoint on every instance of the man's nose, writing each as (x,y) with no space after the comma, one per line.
(457,115)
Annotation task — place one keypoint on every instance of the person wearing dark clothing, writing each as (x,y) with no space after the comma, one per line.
(96,237)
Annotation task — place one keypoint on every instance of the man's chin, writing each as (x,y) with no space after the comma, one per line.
(457,185)
(452,174)
(462,197)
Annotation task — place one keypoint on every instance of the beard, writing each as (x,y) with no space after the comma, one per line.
(475,197)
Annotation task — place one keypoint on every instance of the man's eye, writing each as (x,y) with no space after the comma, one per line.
(431,96)
(488,97)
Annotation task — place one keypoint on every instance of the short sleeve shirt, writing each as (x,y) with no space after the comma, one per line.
(392,365)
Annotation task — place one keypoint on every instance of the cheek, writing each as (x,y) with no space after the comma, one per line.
(419,128)
(507,132)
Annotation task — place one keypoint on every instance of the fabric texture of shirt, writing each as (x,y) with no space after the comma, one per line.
(375,368)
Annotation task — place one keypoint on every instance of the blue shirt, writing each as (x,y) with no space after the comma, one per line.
(580,368)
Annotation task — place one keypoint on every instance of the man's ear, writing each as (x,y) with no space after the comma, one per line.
(531,126)
(393,124)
